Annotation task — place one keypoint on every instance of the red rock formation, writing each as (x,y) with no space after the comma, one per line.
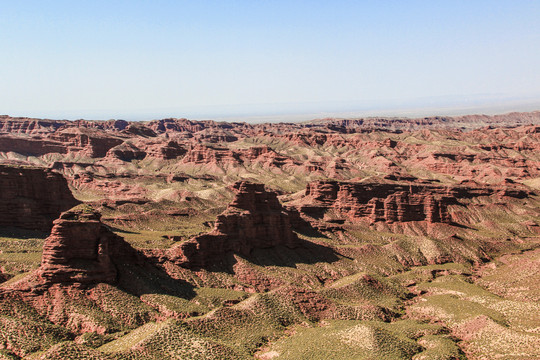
(228,131)
(254,219)
(126,151)
(215,136)
(407,124)
(107,125)
(201,154)
(81,249)
(89,142)
(29,126)
(31,146)
(391,202)
(178,125)
(92,142)
(263,155)
(23,125)
(166,150)
(157,148)
(31,198)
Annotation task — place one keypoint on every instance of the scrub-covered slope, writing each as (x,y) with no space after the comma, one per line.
(332,239)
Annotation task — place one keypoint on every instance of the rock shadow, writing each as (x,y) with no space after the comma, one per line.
(306,252)
(149,279)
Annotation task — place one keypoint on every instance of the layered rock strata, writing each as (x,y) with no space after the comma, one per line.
(81,249)
(31,198)
(391,202)
(254,219)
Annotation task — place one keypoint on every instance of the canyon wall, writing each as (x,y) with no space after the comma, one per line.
(394,202)
(32,198)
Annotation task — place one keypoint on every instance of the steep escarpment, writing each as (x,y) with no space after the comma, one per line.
(81,249)
(28,125)
(89,142)
(395,202)
(254,219)
(262,156)
(31,198)
(24,125)
(92,143)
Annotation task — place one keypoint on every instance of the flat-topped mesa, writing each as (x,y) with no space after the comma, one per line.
(394,202)
(66,140)
(29,126)
(255,219)
(81,249)
(397,202)
(31,198)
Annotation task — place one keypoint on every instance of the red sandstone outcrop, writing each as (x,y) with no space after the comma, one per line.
(254,219)
(127,151)
(176,125)
(262,156)
(332,148)
(156,148)
(31,146)
(23,125)
(406,124)
(391,202)
(345,126)
(106,125)
(215,136)
(91,142)
(81,249)
(165,150)
(31,198)
(201,154)
(88,142)
(19,125)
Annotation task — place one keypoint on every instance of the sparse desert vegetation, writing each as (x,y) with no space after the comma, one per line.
(373,239)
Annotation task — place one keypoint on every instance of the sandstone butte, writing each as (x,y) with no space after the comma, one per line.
(82,250)
(254,219)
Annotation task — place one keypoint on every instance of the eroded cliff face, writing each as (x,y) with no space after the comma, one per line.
(29,126)
(395,202)
(81,249)
(254,219)
(32,198)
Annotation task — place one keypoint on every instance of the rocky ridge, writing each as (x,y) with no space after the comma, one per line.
(254,219)
(395,202)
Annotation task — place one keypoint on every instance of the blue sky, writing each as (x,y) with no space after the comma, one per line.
(149,59)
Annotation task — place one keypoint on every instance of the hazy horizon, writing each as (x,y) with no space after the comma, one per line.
(292,113)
